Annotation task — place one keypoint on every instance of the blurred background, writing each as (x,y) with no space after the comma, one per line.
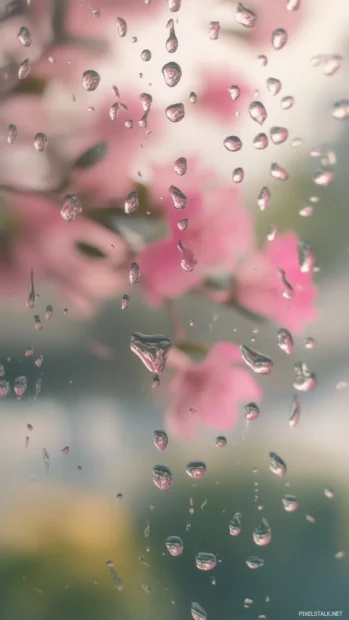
(82,432)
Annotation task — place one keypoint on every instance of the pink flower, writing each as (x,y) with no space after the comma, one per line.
(272,15)
(259,285)
(210,392)
(36,237)
(219,231)
(215,99)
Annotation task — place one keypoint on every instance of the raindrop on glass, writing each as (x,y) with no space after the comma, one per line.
(146,55)
(257,112)
(295,412)
(234,92)
(175,112)
(290,503)
(24,69)
(131,202)
(135,273)
(304,380)
(183,224)
(235,524)
(174,5)
(306,257)
(40,141)
(232,143)
(121,26)
(205,561)
(238,175)
(197,612)
(278,173)
(70,207)
(174,545)
(262,534)
(285,340)
(213,31)
(193,97)
(49,312)
(179,199)
(118,583)
(287,102)
(160,440)
(221,441)
(278,135)
(254,562)
(264,198)
(293,5)
(262,60)
(152,350)
(309,343)
(245,17)
(323,177)
(172,41)
(180,166)
(12,134)
(20,385)
(276,465)
(252,412)
(196,469)
(4,388)
(273,86)
(260,142)
(340,109)
(172,73)
(125,302)
(24,36)
(328,493)
(162,477)
(259,363)
(279,38)
(90,80)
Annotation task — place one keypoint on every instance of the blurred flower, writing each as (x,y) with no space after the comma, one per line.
(261,287)
(219,231)
(210,392)
(215,99)
(35,236)
(272,15)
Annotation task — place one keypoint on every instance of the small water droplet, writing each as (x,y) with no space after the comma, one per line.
(172,41)
(213,31)
(235,524)
(205,561)
(4,388)
(238,175)
(309,343)
(174,545)
(118,583)
(46,459)
(179,199)
(49,312)
(24,36)
(131,202)
(259,363)
(290,503)
(180,166)
(329,493)
(262,60)
(160,440)
(310,519)
(174,5)
(279,38)
(135,273)
(146,55)
(90,80)
(12,134)
(234,92)
(278,173)
(196,469)
(254,562)
(252,412)
(188,261)
(198,612)
(273,86)
(175,113)
(272,232)
(262,534)
(232,143)
(193,97)
(121,26)
(125,302)
(182,224)
(221,441)
(162,477)
(306,257)
(20,385)
(340,109)
(40,141)
(24,69)
(295,412)
(152,350)
(257,112)
(278,135)
(264,198)
(245,17)
(172,73)
(285,340)
(70,207)
(323,177)
(287,102)
(304,380)
(277,466)
(261,141)
(65,451)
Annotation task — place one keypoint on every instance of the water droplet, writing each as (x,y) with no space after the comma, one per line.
(197,612)
(196,469)
(131,202)
(273,86)
(193,97)
(304,379)
(152,350)
(310,519)
(332,64)
(235,524)
(278,135)
(20,385)
(252,412)
(279,38)
(174,545)
(272,232)
(4,388)
(290,503)
(262,60)
(162,477)
(248,602)
(135,273)
(37,322)
(221,441)
(24,36)
(40,141)
(146,55)
(172,73)
(238,175)
(262,534)
(125,302)
(277,466)
(259,363)
(175,112)
(264,198)
(287,102)
(340,109)
(245,17)
(329,493)
(278,173)
(293,5)
(182,224)
(234,92)
(49,312)
(24,69)
(306,257)
(339,555)
(174,5)
(323,177)
(188,261)
(232,143)
(65,451)
(254,562)
(213,31)
(160,440)
(172,41)
(309,343)
(180,166)
(285,340)
(146,587)
(118,583)
(90,79)
(205,561)
(114,111)
(179,199)
(12,134)
(46,459)
(121,26)
(257,112)
(261,141)
(39,360)
(70,207)
(295,412)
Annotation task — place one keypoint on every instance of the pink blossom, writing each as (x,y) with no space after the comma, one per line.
(39,239)
(215,99)
(272,15)
(259,285)
(210,392)
(219,231)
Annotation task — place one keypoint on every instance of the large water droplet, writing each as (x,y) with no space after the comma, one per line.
(160,440)
(71,207)
(258,112)
(273,86)
(90,79)
(261,141)
(180,166)
(172,73)
(24,69)
(175,112)
(278,135)
(278,173)
(295,412)
(197,612)
(254,562)
(340,109)
(285,340)
(259,363)
(213,31)
(24,36)
(174,545)
(262,534)
(162,477)
(235,524)
(152,350)
(205,561)
(245,17)
(264,198)
(232,143)
(12,134)
(40,141)
(131,202)
(287,102)
(290,503)
(279,38)
(118,583)
(252,412)
(238,175)
(179,199)
(304,379)
(172,41)
(121,26)
(196,469)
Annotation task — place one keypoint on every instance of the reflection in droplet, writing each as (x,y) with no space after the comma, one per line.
(306,257)
(135,273)
(328,493)
(12,134)
(323,177)
(257,112)
(172,41)
(285,340)
(174,545)
(245,17)
(160,440)
(234,92)
(221,441)
(174,5)
(146,55)
(175,113)
(24,36)
(259,363)
(232,143)
(293,5)
(40,141)
(162,477)
(196,469)
(183,224)
(179,199)
(24,69)
(152,350)
(287,102)
(263,60)
(205,561)
(235,524)
(277,465)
